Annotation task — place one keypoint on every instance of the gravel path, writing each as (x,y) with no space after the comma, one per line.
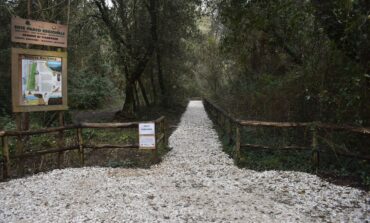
(196,182)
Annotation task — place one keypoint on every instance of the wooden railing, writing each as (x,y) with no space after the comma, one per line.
(232,127)
(80,145)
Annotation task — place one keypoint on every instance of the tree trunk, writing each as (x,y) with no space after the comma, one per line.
(137,99)
(154,92)
(160,78)
(136,68)
(143,92)
(129,104)
(365,105)
(154,30)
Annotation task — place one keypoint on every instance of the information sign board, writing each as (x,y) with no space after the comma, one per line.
(147,136)
(39,33)
(39,80)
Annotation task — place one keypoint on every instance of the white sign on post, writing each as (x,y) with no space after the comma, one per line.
(146,129)
(147,142)
(147,135)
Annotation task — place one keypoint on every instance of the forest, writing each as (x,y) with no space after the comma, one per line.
(283,60)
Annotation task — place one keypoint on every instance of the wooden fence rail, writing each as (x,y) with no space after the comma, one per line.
(232,127)
(80,146)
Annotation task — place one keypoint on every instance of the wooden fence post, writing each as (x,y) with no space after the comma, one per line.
(237,143)
(223,125)
(81,152)
(155,150)
(19,145)
(315,149)
(6,158)
(164,133)
(61,140)
(219,115)
(229,130)
(216,117)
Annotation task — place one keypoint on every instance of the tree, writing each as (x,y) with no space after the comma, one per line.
(147,33)
(127,24)
(347,24)
(295,60)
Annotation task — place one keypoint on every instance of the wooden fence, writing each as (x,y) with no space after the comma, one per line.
(232,127)
(81,145)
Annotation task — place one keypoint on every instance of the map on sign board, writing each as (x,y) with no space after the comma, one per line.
(41,80)
(147,135)
(39,33)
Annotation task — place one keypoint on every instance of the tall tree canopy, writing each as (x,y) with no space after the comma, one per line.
(132,50)
(279,60)
(293,60)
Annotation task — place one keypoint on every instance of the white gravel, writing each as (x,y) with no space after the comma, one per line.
(196,182)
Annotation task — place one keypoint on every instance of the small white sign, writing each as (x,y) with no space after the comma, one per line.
(146,129)
(147,135)
(147,142)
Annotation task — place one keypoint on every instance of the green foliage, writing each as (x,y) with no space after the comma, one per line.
(90,91)
(288,60)
(6,123)
(5,87)
(262,161)
(105,59)
(342,170)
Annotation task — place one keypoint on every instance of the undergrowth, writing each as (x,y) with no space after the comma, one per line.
(336,169)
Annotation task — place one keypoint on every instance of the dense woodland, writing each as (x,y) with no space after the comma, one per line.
(291,60)
(283,60)
(276,60)
(129,52)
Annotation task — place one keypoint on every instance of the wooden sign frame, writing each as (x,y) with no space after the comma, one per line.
(17,55)
(38,33)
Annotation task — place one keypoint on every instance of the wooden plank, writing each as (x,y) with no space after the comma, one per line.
(155,155)
(160,119)
(38,132)
(350,155)
(6,158)
(219,109)
(255,146)
(43,152)
(315,149)
(60,140)
(71,127)
(81,151)
(107,146)
(361,130)
(43,33)
(19,150)
(275,124)
(109,125)
(164,133)
(345,154)
(160,138)
(356,129)
(238,143)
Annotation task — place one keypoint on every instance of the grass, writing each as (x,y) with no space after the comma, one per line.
(126,158)
(336,169)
